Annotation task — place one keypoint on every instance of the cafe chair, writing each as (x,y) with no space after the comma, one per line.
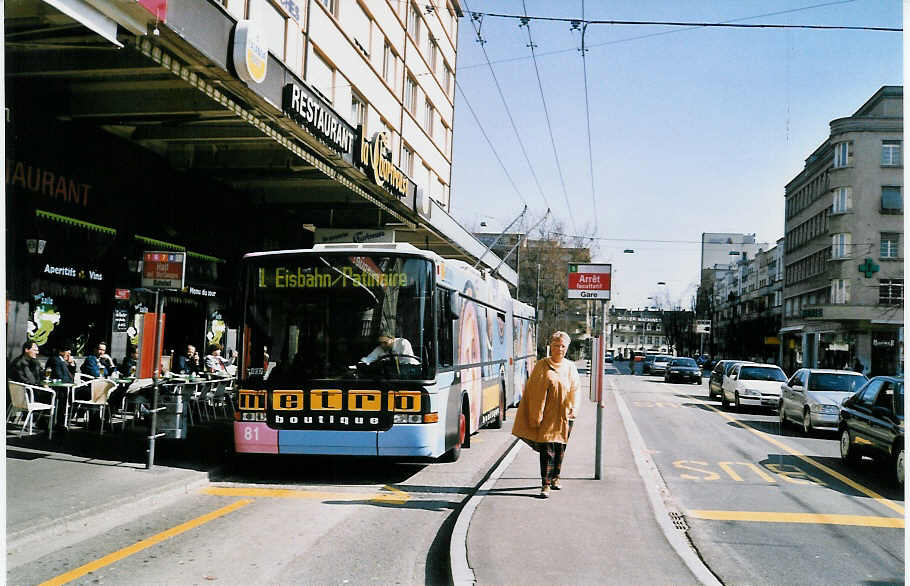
(31,399)
(92,395)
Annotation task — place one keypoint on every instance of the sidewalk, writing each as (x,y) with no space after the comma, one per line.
(590,532)
(81,483)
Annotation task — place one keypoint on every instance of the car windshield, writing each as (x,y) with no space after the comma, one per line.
(684,362)
(729,367)
(829,381)
(761,373)
(662,359)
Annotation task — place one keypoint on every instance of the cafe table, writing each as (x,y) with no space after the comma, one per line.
(64,399)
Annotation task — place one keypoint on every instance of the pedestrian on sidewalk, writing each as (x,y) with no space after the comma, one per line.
(547,410)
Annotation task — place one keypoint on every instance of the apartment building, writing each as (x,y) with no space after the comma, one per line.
(638,330)
(844,279)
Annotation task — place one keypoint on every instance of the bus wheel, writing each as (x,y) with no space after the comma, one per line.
(455,453)
(497,423)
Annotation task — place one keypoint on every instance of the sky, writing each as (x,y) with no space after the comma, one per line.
(692,129)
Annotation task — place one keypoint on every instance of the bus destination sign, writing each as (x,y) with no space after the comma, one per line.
(589,281)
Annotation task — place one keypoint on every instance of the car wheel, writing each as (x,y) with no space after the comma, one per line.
(899,466)
(807,422)
(847,452)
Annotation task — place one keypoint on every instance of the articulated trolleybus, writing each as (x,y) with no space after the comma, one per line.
(312,380)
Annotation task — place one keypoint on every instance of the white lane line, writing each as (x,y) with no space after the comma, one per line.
(461,572)
(659,495)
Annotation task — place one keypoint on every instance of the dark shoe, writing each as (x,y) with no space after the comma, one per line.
(555,484)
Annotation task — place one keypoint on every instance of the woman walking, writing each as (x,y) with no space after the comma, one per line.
(547,410)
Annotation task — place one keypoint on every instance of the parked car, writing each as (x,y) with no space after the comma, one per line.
(638,356)
(659,366)
(684,369)
(716,379)
(812,396)
(646,363)
(750,383)
(608,358)
(702,360)
(871,423)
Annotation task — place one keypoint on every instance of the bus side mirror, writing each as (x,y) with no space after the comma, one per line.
(454,305)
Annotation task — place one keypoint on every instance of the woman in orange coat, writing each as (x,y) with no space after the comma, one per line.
(547,408)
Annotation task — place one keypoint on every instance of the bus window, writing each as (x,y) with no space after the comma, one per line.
(444,327)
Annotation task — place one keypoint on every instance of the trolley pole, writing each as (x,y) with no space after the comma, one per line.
(159,302)
(598,434)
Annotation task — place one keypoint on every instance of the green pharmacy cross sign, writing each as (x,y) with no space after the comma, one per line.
(868,268)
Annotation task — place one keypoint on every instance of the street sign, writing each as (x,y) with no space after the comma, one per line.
(703,326)
(163,270)
(589,281)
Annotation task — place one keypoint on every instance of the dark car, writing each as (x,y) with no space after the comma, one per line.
(871,423)
(716,380)
(646,364)
(683,369)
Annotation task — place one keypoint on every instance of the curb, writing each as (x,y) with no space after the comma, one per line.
(25,544)
(461,573)
(659,495)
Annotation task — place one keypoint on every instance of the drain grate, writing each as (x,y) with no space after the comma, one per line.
(679,521)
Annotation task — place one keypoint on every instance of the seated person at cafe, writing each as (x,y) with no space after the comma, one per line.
(390,345)
(215,362)
(62,364)
(26,368)
(130,362)
(188,363)
(99,363)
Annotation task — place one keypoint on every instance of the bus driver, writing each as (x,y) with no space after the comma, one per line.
(390,345)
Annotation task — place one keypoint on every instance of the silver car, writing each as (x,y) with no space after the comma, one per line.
(659,366)
(812,397)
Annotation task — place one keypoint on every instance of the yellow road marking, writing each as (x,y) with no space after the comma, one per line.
(396,497)
(829,471)
(810,518)
(144,544)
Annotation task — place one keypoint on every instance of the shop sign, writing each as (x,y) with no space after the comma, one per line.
(812,312)
(374,157)
(305,108)
(878,343)
(163,270)
(121,320)
(772,340)
(202,292)
(47,182)
(251,54)
(72,272)
(324,235)
(121,293)
(42,320)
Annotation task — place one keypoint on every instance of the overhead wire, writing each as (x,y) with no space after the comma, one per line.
(584,67)
(660,33)
(508,110)
(546,112)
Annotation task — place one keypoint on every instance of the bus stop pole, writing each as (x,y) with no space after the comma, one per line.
(599,364)
(155,377)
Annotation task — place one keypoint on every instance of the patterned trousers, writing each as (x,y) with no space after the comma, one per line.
(551,456)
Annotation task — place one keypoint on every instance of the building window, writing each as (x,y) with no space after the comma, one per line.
(447,79)
(410,95)
(892,201)
(274,25)
(360,28)
(446,137)
(843,200)
(840,291)
(432,51)
(891,292)
(330,5)
(358,112)
(840,245)
(414,24)
(841,154)
(388,63)
(407,160)
(889,244)
(428,114)
(891,153)
(321,76)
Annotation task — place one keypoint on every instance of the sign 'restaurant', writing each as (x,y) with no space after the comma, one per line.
(305,108)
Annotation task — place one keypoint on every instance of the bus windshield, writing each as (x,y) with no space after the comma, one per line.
(316,316)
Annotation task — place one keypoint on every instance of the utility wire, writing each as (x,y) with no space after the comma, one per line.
(546,112)
(584,67)
(668,32)
(508,111)
(489,142)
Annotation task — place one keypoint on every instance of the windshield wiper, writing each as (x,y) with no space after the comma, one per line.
(348,277)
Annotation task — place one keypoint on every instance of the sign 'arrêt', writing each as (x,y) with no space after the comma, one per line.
(589,281)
